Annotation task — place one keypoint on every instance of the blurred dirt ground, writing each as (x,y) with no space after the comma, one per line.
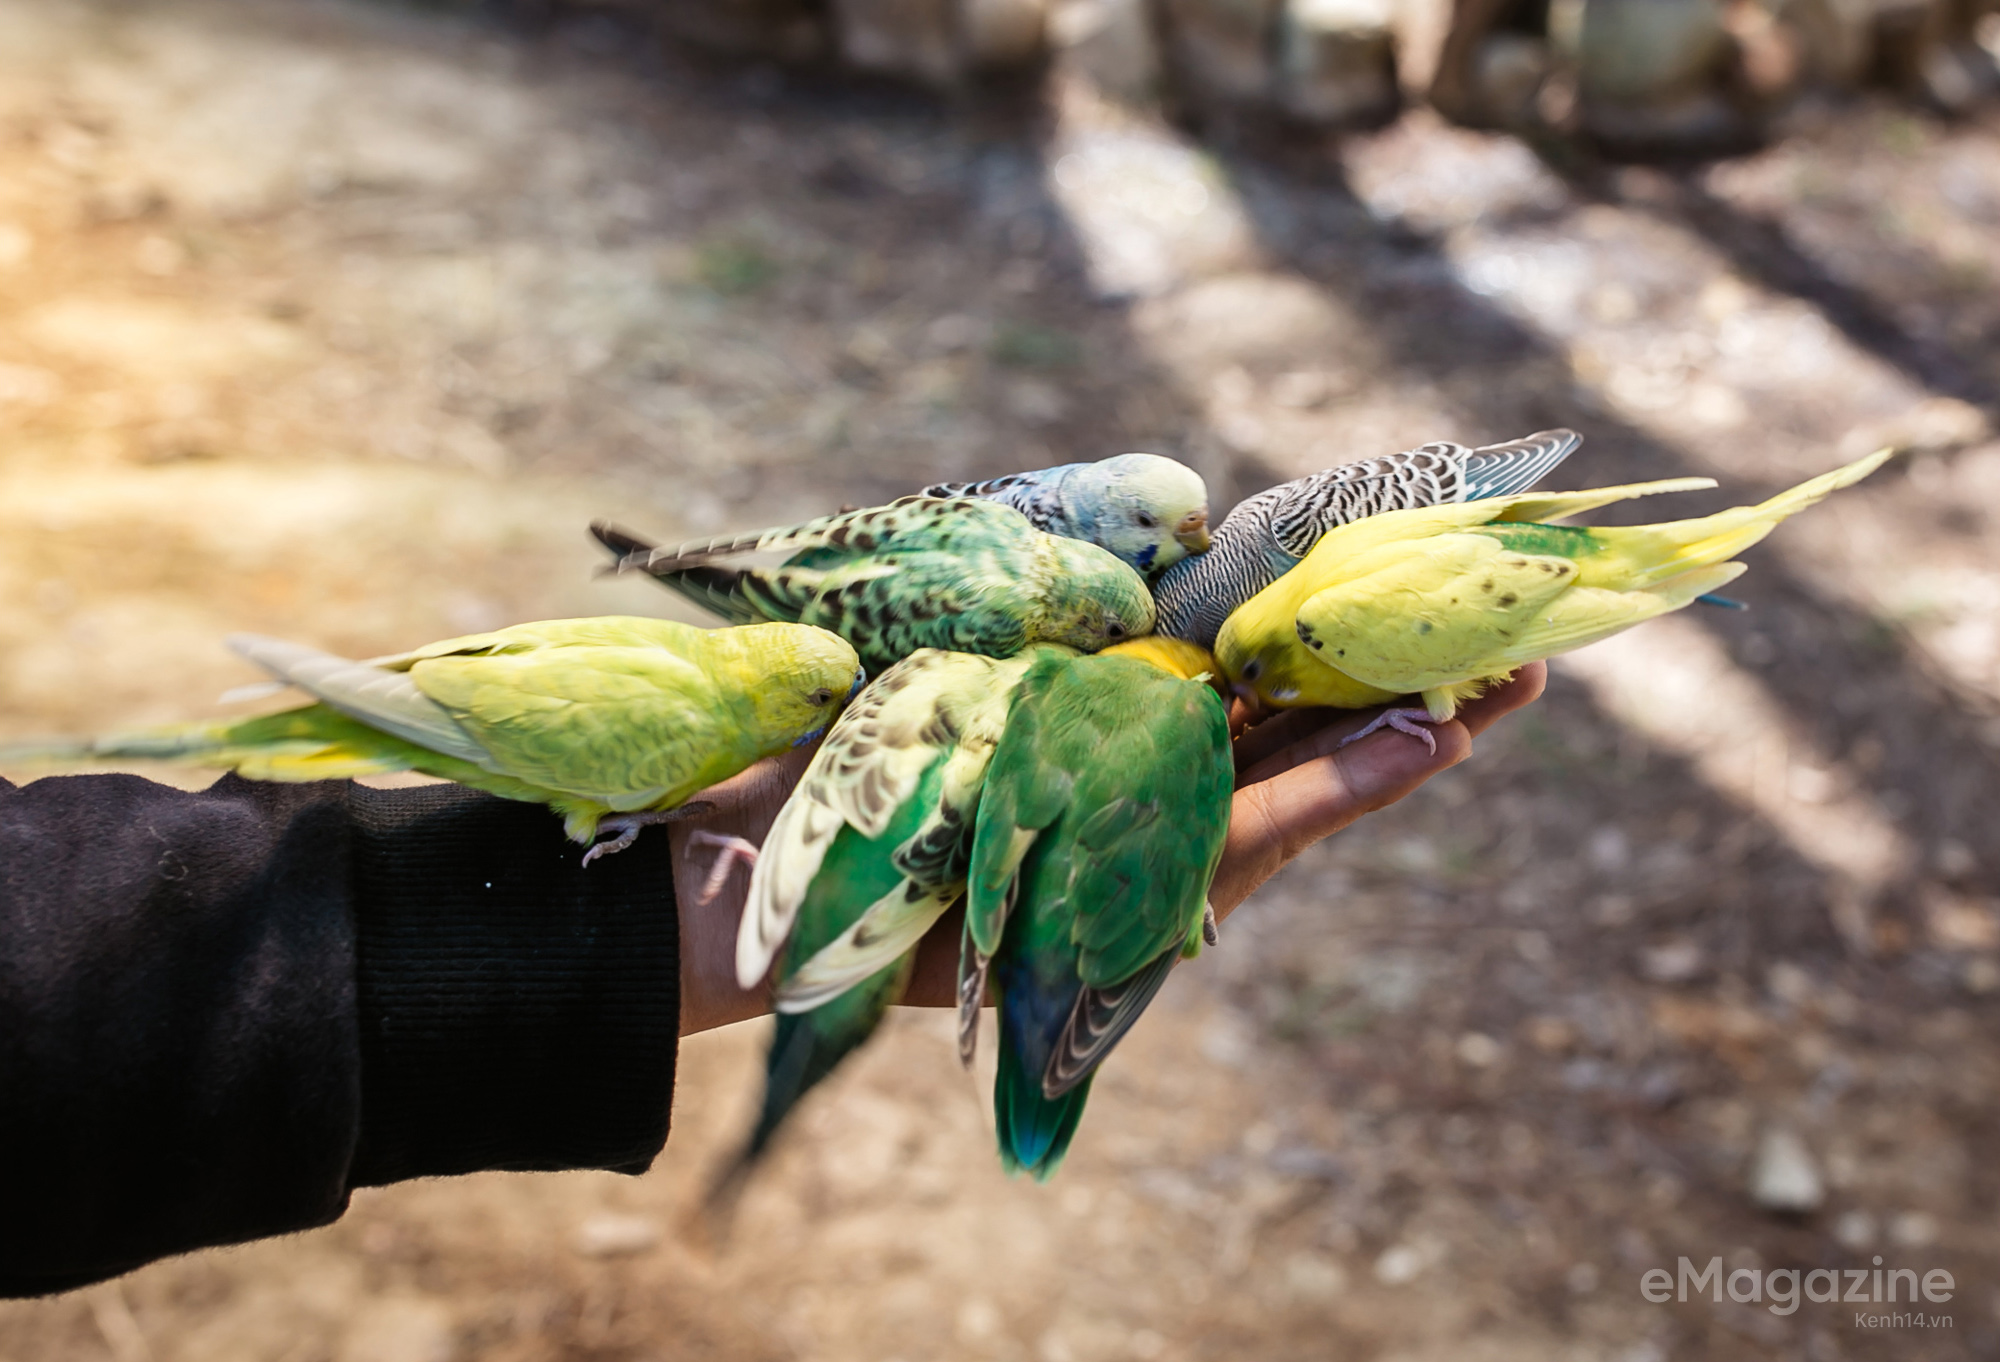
(338,321)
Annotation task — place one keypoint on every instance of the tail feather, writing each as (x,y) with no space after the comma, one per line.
(657,559)
(1646,555)
(305,744)
(805,1049)
(620,542)
(1538,507)
(1034,1131)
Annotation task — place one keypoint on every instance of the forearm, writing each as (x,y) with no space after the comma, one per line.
(221,1011)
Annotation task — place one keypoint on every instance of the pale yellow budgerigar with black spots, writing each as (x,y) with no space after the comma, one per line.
(613,722)
(1441,601)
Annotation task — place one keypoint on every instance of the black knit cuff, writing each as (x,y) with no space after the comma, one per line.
(517,1010)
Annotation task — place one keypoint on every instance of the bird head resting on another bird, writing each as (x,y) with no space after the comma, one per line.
(1090,599)
(1148,510)
(806,674)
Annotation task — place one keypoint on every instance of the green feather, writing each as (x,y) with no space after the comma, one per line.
(1100,827)
(954,574)
(875,836)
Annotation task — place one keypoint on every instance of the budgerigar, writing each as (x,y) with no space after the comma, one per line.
(1099,830)
(613,722)
(868,851)
(1151,512)
(1439,602)
(958,574)
(1269,534)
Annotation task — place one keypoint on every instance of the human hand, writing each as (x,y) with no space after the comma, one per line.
(1295,785)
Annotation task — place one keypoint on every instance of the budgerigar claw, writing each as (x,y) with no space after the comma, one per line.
(617,844)
(729,850)
(1410,721)
(627,826)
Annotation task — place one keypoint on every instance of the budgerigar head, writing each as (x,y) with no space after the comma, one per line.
(1260,653)
(1090,600)
(1149,511)
(798,677)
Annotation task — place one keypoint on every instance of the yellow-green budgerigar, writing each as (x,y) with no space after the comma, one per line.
(613,722)
(1442,600)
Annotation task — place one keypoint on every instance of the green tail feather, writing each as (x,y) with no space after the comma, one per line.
(1034,1132)
(806,1048)
(810,1045)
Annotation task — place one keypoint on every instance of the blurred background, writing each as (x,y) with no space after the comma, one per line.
(338,320)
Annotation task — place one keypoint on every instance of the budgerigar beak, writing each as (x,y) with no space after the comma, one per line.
(1192,533)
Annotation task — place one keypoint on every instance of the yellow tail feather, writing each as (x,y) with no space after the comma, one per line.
(1642,556)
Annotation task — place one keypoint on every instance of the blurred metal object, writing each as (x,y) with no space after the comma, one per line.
(1337,62)
(1221,49)
(909,38)
(999,34)
(1112,44)
(783,30)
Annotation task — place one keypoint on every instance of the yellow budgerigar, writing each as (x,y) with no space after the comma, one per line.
(613,722)
(1440,601)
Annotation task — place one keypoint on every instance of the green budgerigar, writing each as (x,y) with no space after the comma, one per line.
(1100,827)
(958,574)
(1441,601)
(613,722)
(869,850)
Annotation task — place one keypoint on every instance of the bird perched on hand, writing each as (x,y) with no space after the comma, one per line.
(1441,601)
(869,850)
(1100,827)
(1266,536)
(959,574)
(613,722)
(1148,511)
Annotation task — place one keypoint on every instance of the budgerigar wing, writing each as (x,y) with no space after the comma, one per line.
(911,719)
(626,726)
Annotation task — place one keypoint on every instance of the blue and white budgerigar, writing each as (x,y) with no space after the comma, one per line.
(1266,536)
(1152,512)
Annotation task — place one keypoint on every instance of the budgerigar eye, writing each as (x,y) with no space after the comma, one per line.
(1146,522)
(1253,669)
(1113,629)
(819,697)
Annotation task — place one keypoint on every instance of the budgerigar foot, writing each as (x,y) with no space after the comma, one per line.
(729,850)
(1412,721)
(1208,932)
(627,826)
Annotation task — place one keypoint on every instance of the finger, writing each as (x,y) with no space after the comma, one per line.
(1279,730)
(1523,688)
(745,806)
(934,978)
(1316,788)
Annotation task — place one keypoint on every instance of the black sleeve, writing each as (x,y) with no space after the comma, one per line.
(222,1011)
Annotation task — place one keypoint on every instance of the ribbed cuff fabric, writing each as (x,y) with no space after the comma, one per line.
(517,1009)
